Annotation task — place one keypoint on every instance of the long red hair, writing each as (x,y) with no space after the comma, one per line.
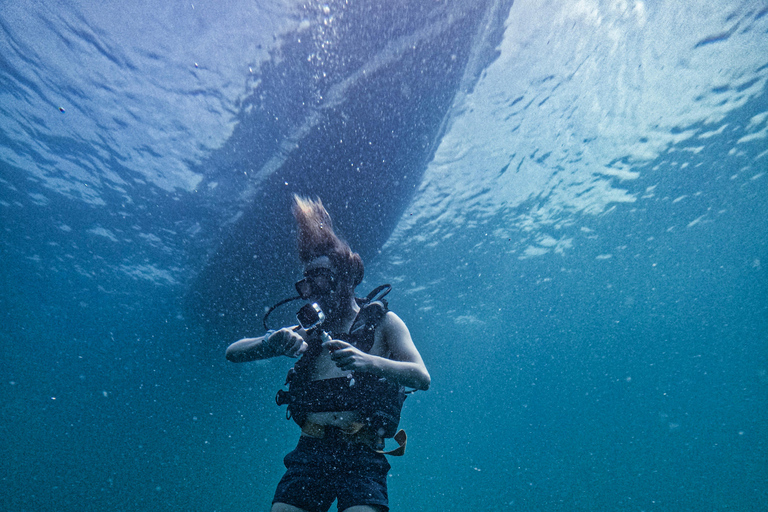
(316,238)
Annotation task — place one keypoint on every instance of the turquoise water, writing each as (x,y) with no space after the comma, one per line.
(575,229)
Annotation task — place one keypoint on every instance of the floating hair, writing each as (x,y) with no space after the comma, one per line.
(316,238)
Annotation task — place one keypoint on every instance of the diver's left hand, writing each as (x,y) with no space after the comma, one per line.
(348,357)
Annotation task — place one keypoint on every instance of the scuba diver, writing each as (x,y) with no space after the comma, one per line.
(355,360)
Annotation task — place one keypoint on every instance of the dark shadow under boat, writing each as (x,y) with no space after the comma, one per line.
(349,109)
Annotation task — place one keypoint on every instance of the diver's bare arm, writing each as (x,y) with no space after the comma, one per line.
(408,374)
(285,342)
(248,349)
(404,364)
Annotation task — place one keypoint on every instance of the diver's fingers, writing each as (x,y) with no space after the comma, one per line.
(286,342)
(298,348)
(336,345)
(345,362)
(283,342)
(341,355)
(293,344)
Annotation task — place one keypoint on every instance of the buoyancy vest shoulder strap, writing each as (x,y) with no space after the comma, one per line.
(362,332)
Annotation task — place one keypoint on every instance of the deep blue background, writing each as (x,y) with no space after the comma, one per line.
(627,372)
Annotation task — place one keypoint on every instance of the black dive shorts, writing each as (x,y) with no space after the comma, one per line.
(321,470)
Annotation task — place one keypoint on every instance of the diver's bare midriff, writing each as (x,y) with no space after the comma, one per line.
(344,420)
(341,419)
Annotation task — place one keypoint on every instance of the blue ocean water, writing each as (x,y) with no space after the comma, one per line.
(569,198)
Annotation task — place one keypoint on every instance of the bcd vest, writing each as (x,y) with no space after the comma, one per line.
(377,400)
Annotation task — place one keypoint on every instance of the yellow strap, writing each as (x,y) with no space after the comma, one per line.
(353,429)
(313,429)
(357,434)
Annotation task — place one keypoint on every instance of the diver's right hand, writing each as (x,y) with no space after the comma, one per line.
(286,342)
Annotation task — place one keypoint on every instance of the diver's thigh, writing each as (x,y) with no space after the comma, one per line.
(362,508)
(284,507)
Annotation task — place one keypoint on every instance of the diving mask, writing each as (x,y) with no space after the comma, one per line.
(317,281)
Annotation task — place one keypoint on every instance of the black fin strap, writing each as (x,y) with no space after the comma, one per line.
(402,440)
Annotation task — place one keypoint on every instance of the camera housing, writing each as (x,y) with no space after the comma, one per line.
(310,316)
